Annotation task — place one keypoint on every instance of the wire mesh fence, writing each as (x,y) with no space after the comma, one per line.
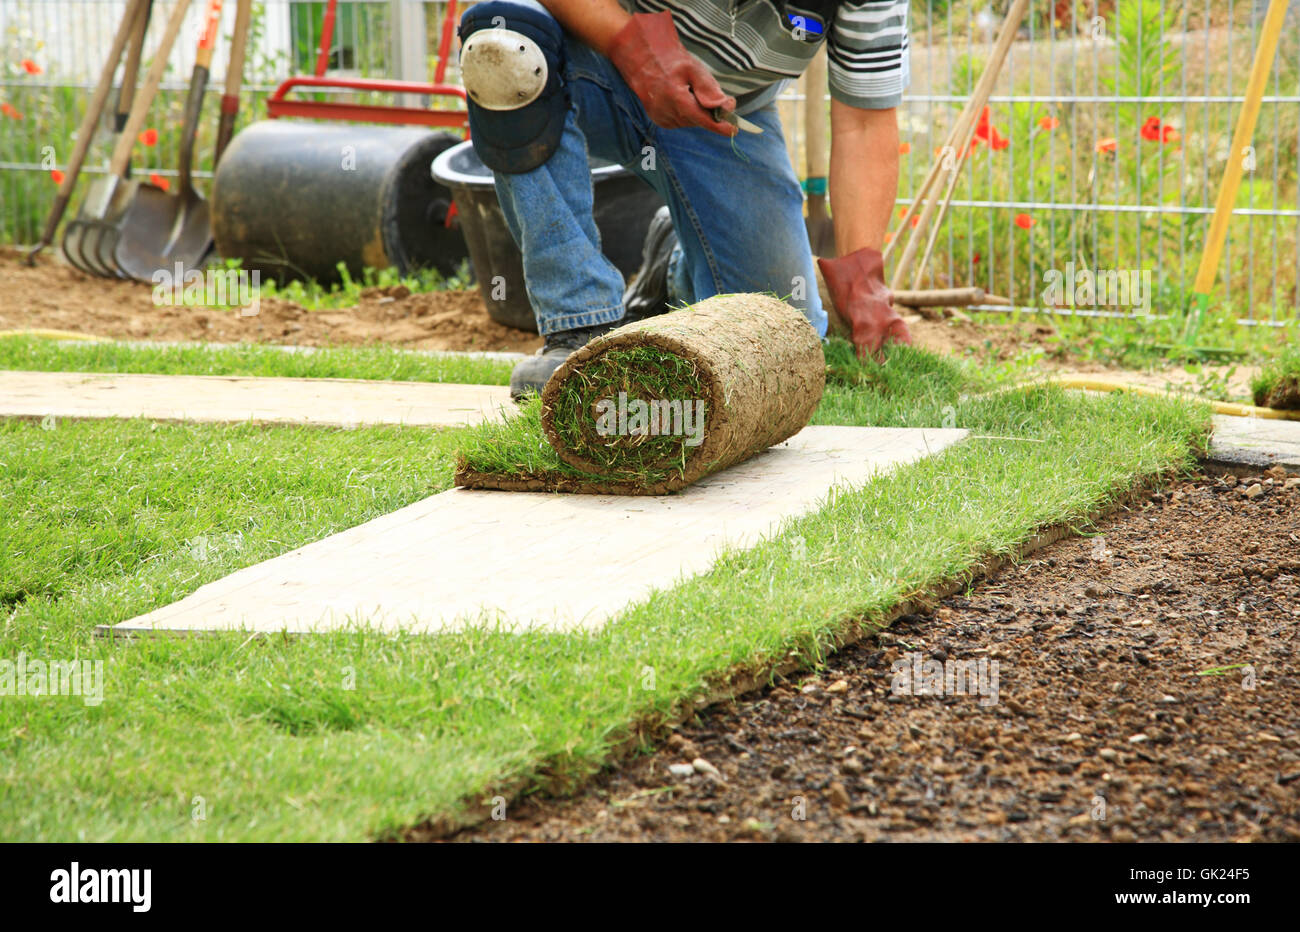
(1100,154)
(1105,142)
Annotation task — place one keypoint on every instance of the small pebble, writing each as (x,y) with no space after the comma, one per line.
(839,796)
(704,767)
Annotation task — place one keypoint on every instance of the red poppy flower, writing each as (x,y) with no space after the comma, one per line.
(1048,123)
(989,133)
(915,220)
(1154,130)
(9,111)
(149,137)
(1107,145)
(889,237)
(30,66)
(902,212)
(56,176)
(975,259)
(904,148)
(159,181)
(1024,221)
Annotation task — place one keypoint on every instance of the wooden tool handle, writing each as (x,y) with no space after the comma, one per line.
(964,131)
(94,109)
(96,106)
(234,78)
(816,152)
(208,37)
(131,70)
(144,96)
(940,297)
(238,45)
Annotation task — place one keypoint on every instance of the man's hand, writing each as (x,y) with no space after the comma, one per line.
(676,88)
(856,283)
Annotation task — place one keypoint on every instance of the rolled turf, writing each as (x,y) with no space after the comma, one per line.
(653,406)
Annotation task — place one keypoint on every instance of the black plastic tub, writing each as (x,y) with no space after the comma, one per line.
(293,200)
(624,206)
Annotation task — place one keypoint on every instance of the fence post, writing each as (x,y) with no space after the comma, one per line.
(410,52)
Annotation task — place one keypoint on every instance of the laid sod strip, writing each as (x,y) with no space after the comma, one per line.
(355,736)
(1278,386)
(249,359)
(87,504)
(659,404)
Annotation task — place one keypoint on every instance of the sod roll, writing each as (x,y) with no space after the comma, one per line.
(656,405)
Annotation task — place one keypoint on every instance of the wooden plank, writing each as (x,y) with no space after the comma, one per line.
(1254,443)
(213,398)
(536,559)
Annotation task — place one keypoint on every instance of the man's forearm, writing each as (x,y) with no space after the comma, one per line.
(863,175)
(595,22)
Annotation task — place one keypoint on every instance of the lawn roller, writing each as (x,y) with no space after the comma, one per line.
(294,200)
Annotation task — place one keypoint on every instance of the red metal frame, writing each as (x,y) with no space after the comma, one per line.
(278,106)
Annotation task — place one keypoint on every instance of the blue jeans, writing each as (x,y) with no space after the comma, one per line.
(736,206)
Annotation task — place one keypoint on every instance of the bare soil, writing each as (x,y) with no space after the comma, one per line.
(56,296)
(1106,727)
(53,295)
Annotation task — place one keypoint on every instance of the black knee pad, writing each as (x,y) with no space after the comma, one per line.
(512,65)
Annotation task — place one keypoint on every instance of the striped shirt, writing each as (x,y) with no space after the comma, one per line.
(754,46)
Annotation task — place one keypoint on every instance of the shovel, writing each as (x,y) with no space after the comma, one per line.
(158,229)
(87,130)
(106,200)
(821,232)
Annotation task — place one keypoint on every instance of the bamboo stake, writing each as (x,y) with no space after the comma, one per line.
(964,131)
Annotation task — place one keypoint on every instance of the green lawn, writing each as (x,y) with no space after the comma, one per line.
(359,735)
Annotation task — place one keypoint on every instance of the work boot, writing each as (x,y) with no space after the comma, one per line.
(648,293)
(531,375)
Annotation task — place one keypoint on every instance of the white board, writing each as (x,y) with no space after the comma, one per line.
(534,558)
(217,398)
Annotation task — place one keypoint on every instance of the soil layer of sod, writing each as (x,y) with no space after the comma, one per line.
(1147,691)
